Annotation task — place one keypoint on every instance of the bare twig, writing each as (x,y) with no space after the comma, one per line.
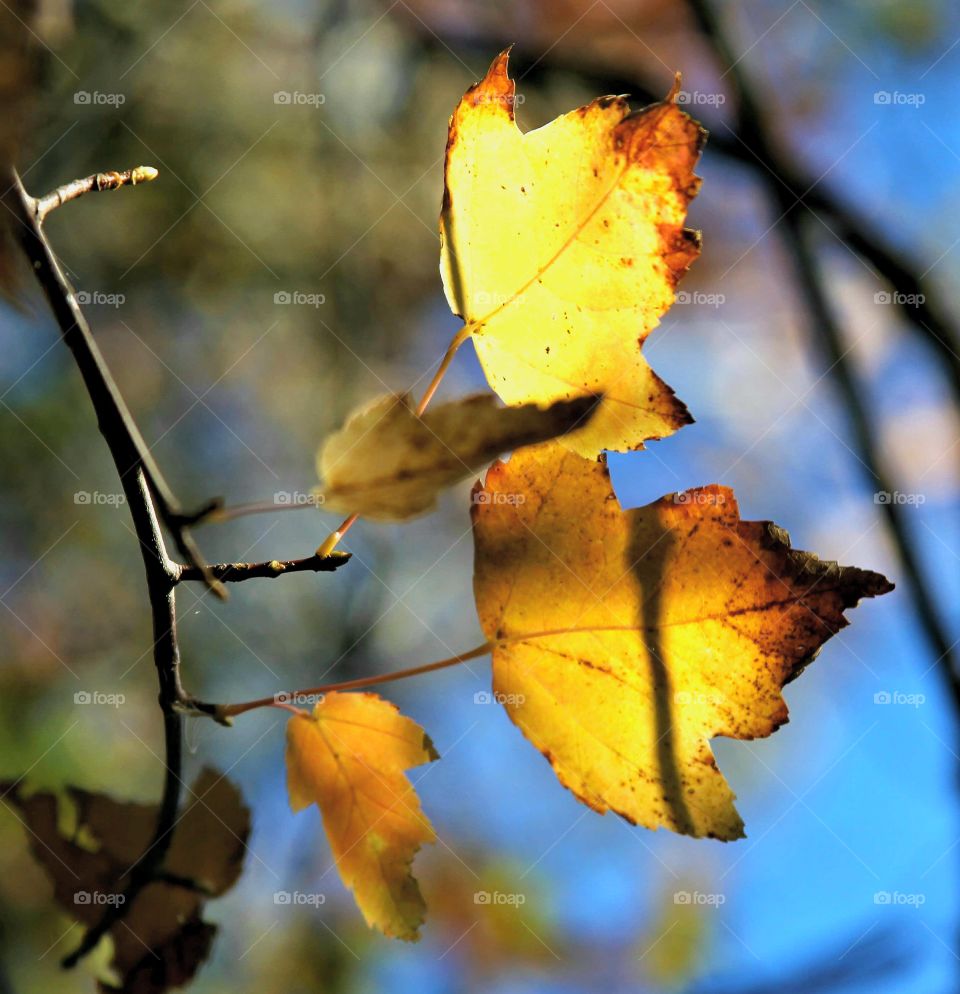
(150,501)
(142,486)
(238,572)
(127,445)
(98,181)
(161,580)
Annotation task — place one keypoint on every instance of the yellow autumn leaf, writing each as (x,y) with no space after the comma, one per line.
(389,463)
(348,757)
(667,625)
(561,249)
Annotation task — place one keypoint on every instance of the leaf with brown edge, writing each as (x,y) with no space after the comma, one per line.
(562,247)
(161,940)
(389,463)
(664,626)
(349,757)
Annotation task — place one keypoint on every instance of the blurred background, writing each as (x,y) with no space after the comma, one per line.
(284,267)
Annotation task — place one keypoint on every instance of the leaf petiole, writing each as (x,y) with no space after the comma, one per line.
(461,336)
(333,539)
(225,711)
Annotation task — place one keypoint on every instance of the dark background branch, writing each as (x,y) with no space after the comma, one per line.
(828,337)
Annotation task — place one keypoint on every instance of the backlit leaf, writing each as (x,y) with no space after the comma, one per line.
(671,624)
(349,757)
(389,463)
(562,248)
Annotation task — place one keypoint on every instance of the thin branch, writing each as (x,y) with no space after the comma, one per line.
(173,702)
(238,572)
(826,331)
(96,182)
(123,437)
(141,490)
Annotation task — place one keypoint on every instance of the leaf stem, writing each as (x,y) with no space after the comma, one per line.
(219,515)
(223,712)
(461,336)
(333,539)
(292,708)
(327,546)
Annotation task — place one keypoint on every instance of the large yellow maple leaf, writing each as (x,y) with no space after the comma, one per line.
(561,249)
(348,757)
(661,627)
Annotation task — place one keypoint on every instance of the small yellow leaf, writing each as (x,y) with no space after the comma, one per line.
(349,759)
(390,464)
(562,247)
(671,624)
